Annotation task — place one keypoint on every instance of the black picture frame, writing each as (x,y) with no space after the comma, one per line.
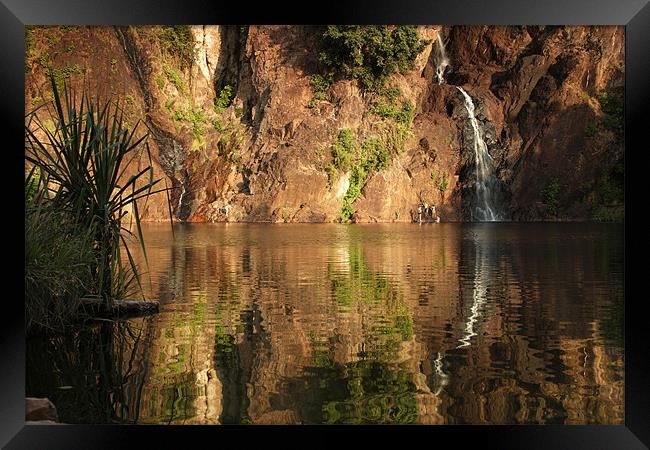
(15,14)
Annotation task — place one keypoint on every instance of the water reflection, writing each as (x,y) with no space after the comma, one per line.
(445,323)
(93,375)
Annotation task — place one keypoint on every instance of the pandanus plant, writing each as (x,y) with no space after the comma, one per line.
(83,150)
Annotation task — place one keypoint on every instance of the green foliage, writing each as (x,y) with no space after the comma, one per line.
(230,141)
(32,184)
(218,124)
(551,196)
(375,156)
(398,119)
(177,41)
(197,119)
(29,41)
(403,115)
(441,181)
(396,135)
(160,81)
(320,84)
(344,150)
(331,171)
(175,78)
(591,130)
(604,213)
(357,180)
(83,162)
(370,53)
(58,261)
(52,37)
(223,99)
(444,182)
(62,74)
(610,192)
(360,160)
(612,105)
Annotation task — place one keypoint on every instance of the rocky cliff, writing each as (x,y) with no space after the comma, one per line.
(241,129)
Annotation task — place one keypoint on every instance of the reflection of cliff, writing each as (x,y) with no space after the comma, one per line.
(556,370)
(310,324)
(91,374)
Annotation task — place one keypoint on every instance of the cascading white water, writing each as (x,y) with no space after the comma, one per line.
(484,209)
(180,199)
(442,62)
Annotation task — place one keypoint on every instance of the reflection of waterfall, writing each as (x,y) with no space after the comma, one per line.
(480,277)
(478,297)
(483,209)
(442,62)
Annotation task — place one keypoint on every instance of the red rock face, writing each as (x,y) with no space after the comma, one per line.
(264,157)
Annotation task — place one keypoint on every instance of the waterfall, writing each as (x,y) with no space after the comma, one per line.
(180,199)
(441,60)
(483,210)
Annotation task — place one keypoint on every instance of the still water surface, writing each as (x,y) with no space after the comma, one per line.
(395,323)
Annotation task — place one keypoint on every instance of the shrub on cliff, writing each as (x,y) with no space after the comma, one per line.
(178,42)
(551,196)
(370,53)
(612,104)
(610,191)
(360,160)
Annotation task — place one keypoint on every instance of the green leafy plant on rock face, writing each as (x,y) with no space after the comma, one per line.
(177,41)
(390,110)
(551,196)
(344,150)
(370,53)
(610,193)
(175,78)
(224,98)
(320,84)
(197,119)
(398,118)
(160,81)
(444,182)
(331,171)
(360,161)
(612,105)
(591,130)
